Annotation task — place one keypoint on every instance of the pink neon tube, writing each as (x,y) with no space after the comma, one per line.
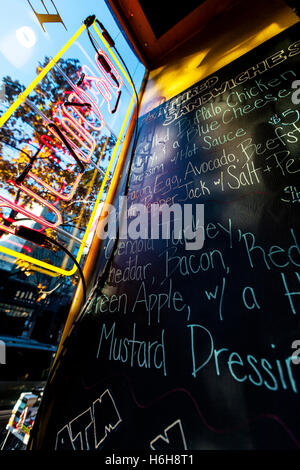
(82,97)
(103,71)
(83,157)
(31,215)
(59,194)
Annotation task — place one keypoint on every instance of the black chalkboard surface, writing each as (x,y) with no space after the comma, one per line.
(182,349)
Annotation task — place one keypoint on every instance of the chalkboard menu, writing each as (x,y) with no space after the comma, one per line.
(184,349)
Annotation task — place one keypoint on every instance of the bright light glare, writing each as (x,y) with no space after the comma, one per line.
(26,36)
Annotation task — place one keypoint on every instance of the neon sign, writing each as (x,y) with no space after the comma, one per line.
(72,122)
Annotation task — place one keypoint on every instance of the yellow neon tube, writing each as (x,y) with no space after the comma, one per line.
(17,103)
(31,260)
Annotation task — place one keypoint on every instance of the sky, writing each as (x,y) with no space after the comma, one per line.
(23,43)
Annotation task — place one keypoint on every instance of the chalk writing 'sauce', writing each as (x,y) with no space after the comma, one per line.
(182,349)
